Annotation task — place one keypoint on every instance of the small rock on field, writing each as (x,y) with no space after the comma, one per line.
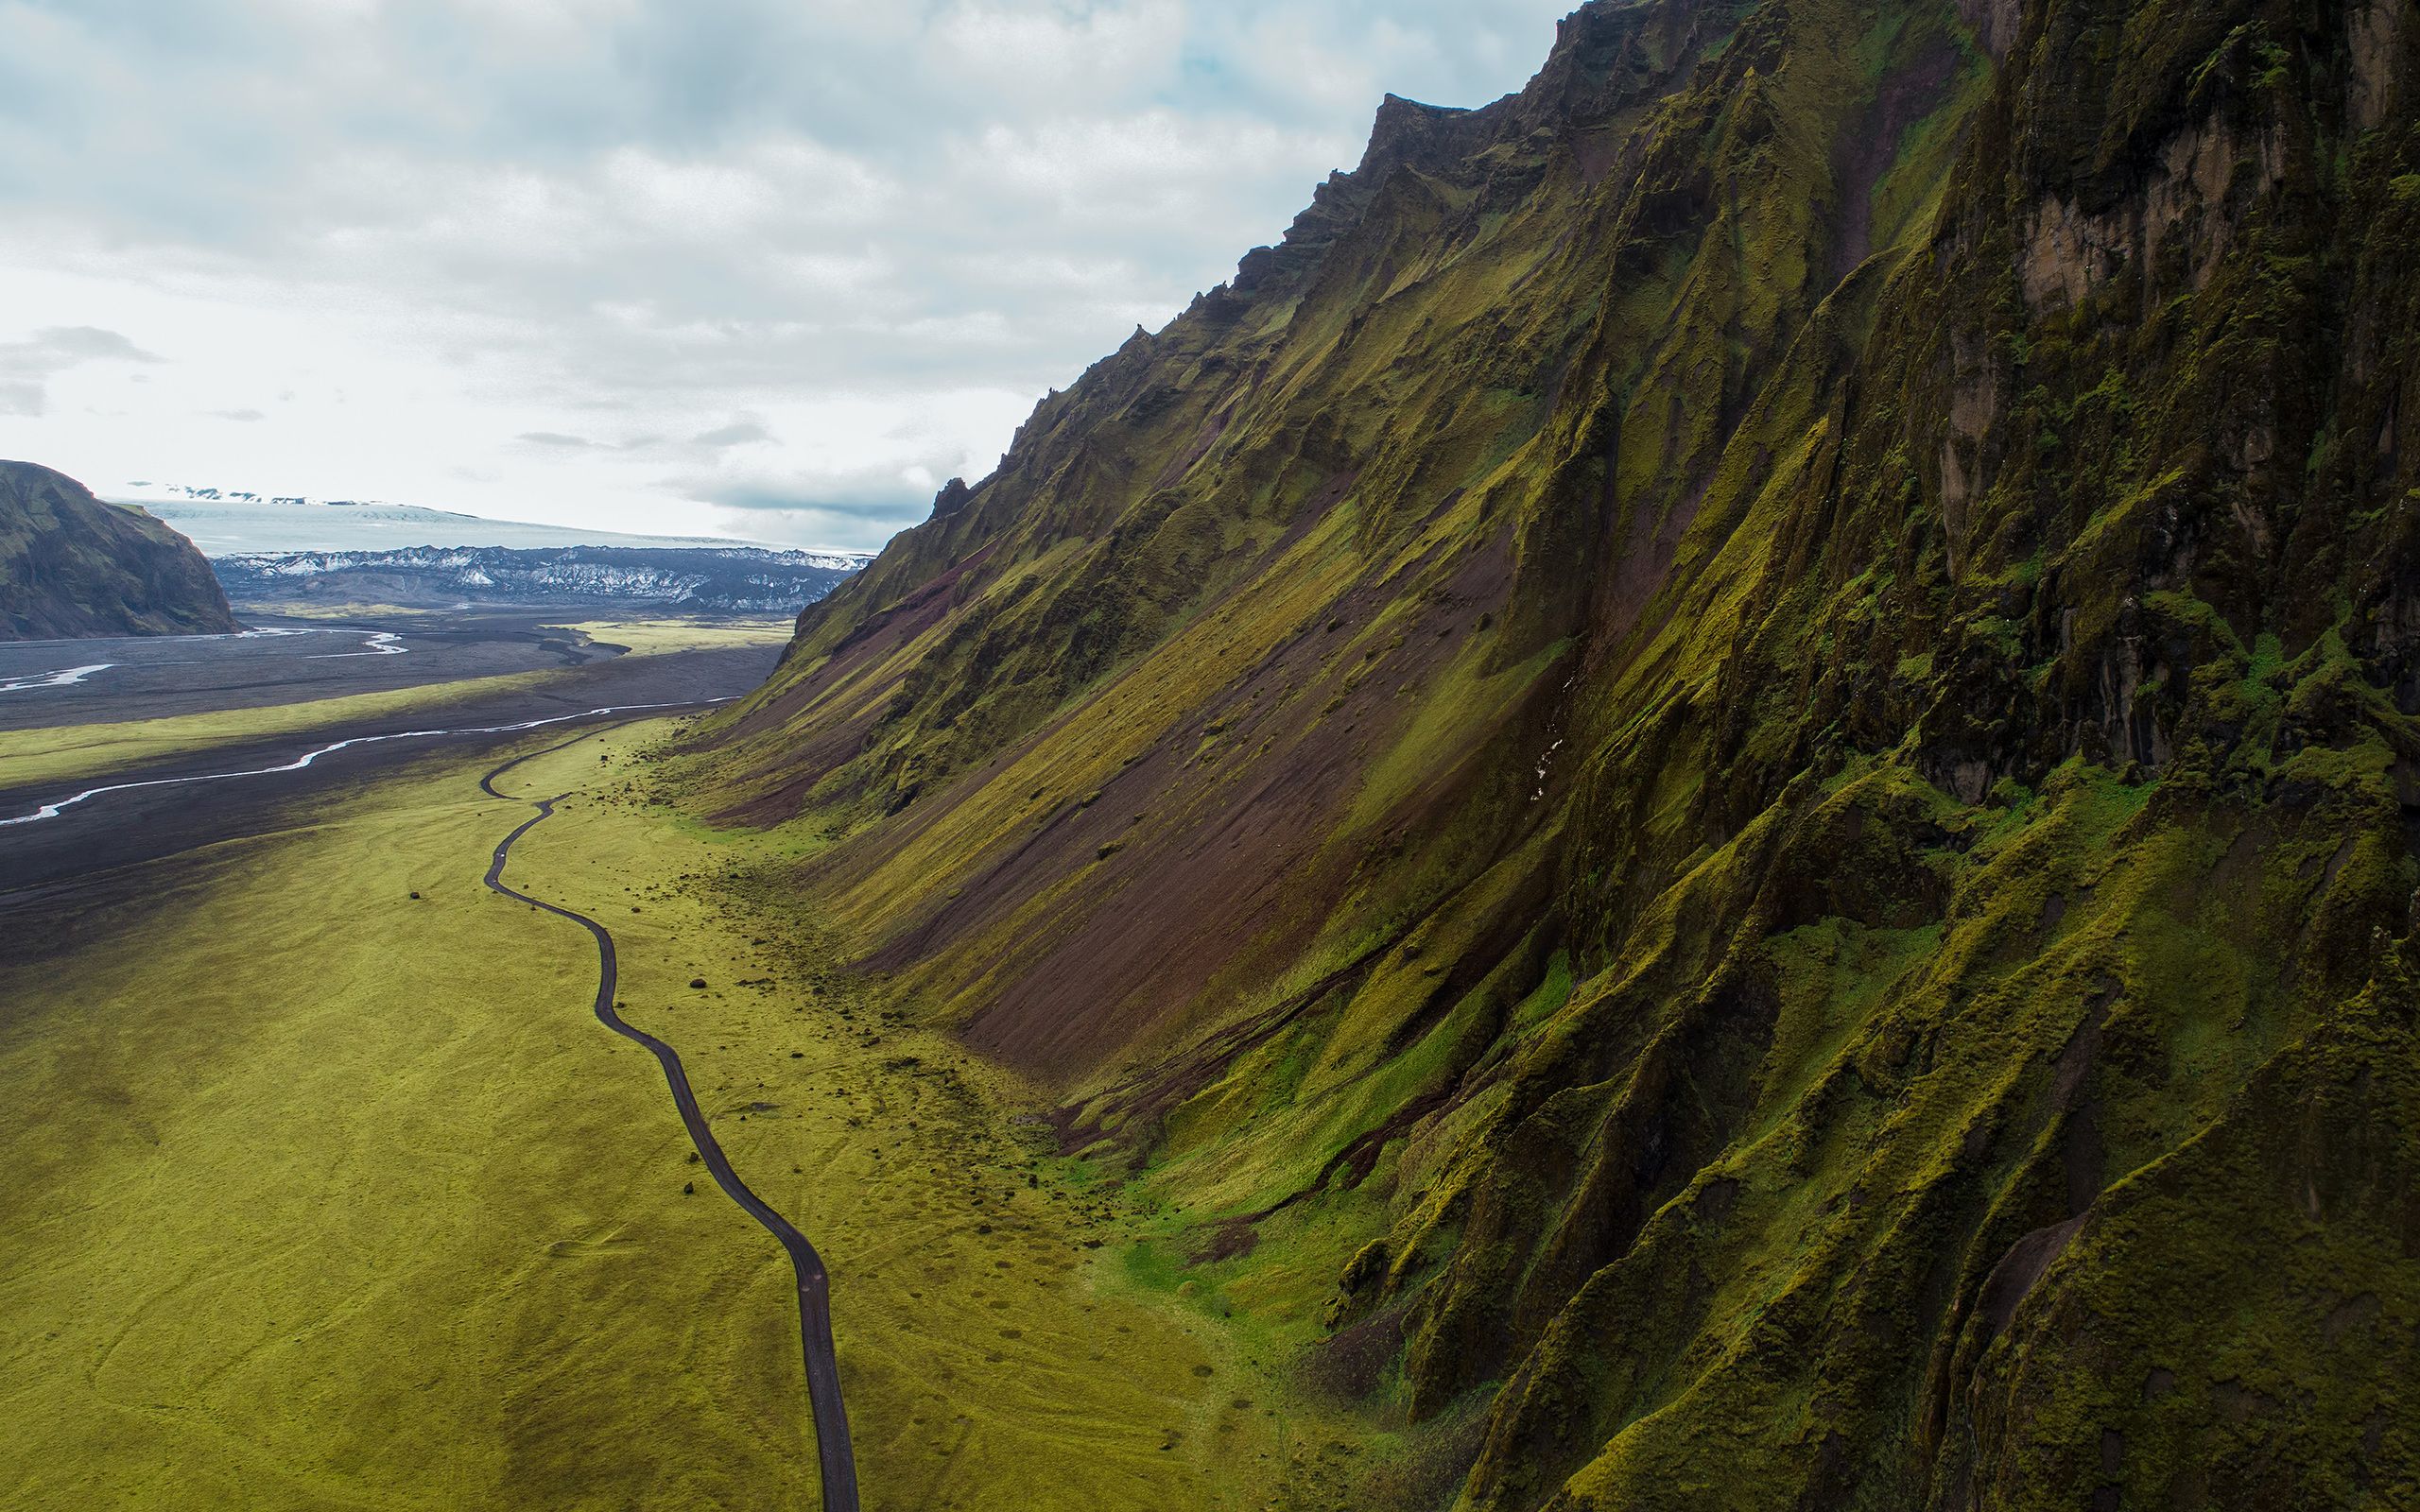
(697,981)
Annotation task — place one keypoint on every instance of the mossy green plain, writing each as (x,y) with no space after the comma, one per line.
(328,1195)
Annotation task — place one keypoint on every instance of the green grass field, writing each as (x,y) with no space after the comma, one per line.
(649,637)
(329,1197)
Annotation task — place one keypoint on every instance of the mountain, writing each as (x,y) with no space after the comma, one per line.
(223,521)
(71,565)
(1716,791)
(718,580)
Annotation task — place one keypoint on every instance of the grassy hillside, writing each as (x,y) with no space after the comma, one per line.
(71,565)
(1715,790)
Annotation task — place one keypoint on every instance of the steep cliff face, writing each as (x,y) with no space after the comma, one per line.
(71,565)
(1720,784)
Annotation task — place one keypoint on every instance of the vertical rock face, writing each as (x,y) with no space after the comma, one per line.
(1755,791)
(71,565)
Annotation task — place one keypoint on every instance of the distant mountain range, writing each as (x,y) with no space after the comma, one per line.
(715,580)
(226,521)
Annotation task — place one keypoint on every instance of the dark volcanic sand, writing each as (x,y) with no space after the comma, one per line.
(95,851)
(149,677)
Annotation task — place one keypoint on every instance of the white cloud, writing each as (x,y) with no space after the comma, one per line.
(742,432)
(27,367)
(1046,59)
(769,266)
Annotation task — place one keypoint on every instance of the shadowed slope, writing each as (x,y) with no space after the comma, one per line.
(71,565)
(1726,767)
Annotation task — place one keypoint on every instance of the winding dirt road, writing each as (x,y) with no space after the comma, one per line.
(836,1458)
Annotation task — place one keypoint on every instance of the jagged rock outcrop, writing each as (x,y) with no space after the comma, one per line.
(1736,745)
(951,499)
(73,566)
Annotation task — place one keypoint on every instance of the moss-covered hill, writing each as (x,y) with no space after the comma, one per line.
(1720,785)
(71,565)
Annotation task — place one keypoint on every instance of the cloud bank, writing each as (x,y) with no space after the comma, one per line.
(773,267)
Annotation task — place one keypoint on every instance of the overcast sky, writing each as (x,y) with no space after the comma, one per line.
(765,267)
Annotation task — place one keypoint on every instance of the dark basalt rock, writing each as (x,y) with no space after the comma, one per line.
(951,499)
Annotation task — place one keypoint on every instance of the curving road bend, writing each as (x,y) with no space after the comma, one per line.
(834,1456)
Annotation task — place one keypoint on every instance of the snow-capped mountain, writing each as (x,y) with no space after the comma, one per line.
(722,580)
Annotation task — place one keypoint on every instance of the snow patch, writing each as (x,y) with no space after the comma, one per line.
(381,642)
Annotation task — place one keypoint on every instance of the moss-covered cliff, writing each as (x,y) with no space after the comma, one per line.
(1719,786)
(71,566)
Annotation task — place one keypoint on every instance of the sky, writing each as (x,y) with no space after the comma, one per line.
(769,268)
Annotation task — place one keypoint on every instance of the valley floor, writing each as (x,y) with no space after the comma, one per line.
(283,660)
(325,1190)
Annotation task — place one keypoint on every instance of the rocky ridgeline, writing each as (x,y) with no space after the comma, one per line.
(733,581)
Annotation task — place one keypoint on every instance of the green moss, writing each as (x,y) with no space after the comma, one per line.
(1909,765)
